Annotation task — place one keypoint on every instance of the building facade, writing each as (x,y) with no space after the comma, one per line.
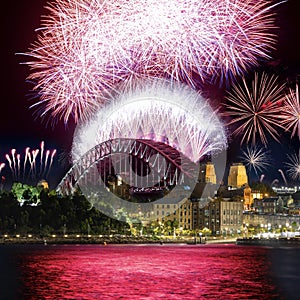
(271,221)
(207,173)
(220,216)
(237,175)
(179,210)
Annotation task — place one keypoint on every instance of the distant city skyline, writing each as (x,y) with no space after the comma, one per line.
(21,128)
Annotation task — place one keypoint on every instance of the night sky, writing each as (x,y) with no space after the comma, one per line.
(20,128)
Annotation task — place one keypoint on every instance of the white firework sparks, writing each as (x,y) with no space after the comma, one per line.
(85,47)
(291,112)
(256,158)
(160,111)
(293,166)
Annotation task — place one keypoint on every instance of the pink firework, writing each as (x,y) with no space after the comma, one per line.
(291,112)
(28,170)
(256,109)
(84,48)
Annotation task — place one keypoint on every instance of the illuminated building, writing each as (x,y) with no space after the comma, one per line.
(237,175)
(220,216)
(248,198)
(174,210)
(207,173)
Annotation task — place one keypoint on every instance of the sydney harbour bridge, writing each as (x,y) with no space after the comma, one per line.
(143,165)
(130,174)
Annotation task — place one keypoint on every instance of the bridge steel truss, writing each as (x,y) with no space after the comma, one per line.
(144,163)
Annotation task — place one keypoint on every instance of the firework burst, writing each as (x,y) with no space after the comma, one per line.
(293,166)
(256,109)
(85,47)
(256,158)
(160,111)
(291,112)
(35,165)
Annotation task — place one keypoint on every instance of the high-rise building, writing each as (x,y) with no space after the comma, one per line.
(207,173)
(237,175)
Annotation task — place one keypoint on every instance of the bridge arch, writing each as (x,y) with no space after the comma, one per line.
(141,163)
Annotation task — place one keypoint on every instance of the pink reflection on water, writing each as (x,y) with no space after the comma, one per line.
(147,272)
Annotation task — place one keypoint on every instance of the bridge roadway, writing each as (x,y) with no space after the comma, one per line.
(134,158)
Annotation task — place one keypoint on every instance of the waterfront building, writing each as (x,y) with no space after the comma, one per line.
(220,216)
(257,195)
(167,209)
(271,222)
(294,209)
(197,206)
(270,205)
(174,209)
(203,214)
(248,198)
(293,204)
(186,215)
(231,216)
(286,189)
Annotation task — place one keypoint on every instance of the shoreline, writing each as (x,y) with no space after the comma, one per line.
(271,242)
(106,240)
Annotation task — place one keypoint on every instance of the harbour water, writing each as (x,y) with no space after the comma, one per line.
(219,271)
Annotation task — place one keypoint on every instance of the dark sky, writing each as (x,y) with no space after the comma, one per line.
(20,19)
(20,129)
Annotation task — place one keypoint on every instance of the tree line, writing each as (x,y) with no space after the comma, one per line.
(30,210)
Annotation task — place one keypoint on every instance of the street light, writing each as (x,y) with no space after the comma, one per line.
(65,229)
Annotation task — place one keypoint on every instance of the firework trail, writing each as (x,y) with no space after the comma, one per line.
(2,166)
(160,111)
(46,160)
(33,165)
(283,176)
(256,158)
(18,165)
(13,153)
(10,163)
(84,48)
(25,160)
(291,112)
(293,166)
(262,176)
(256,109)
(51,162)
(29,165)
(42,154)
(274,181)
